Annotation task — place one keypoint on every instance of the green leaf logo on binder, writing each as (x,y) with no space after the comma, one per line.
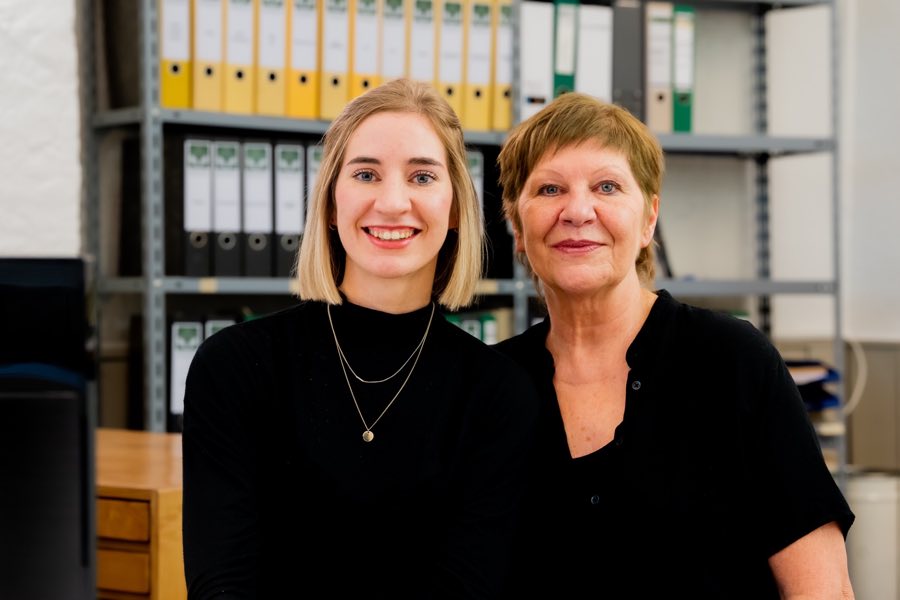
(393,8)
(423,10)
(305,5)
(198,155)
(187,338)
(255,157)
(365,7)
(481,14)
(453,12)
(506,14)
(227,157)
(337,6)
(289,159)
(273,3)
(317,154)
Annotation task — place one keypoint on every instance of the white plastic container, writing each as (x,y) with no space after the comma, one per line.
(873,544)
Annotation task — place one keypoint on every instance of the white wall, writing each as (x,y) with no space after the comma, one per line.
(871,166)
(40,169)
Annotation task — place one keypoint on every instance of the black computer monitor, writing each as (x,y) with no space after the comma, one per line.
(42,313)
(47,494)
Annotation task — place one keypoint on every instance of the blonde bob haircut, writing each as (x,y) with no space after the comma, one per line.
(320,265)
(570,120)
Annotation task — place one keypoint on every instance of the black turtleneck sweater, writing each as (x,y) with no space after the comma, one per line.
(283,498)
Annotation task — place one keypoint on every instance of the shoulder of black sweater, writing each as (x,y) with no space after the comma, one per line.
(525,347)
(475,354)
(257,336)
(714,331)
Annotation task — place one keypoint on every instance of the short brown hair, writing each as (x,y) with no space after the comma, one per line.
(460,262)
(569,120)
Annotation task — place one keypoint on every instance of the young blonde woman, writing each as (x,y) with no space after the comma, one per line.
(358,444)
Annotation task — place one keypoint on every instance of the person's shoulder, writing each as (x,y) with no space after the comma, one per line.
(716,330)
(255,336)
(479,356)
(524,347)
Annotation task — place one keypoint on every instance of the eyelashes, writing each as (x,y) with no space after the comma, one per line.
(604,187)
(419,177)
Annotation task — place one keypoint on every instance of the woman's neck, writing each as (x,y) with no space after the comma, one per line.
(389,297)
(606,322)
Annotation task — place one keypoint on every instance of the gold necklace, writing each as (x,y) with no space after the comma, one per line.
(367,435)
(389,377)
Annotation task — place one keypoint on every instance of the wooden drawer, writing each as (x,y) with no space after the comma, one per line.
(123,520)
(123,571)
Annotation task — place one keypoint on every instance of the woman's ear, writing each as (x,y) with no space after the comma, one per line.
(651,215)
(520,243)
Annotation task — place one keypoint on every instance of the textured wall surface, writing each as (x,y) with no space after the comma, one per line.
(40,172)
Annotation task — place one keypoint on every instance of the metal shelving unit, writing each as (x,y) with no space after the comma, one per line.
(154,286)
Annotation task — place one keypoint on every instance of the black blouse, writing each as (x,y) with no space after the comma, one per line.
(283,498)
(714,468)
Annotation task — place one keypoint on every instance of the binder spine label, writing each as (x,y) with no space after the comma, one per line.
(336,55)
(176,30)
(421,65)
(197,186)
(226,187)
(503,73)
(271,34)
(240,32)
(478,67)
(257,188)
(451,41)
(393,39)
(208,30)
(365,37)
(289,204)
(564,47)
(304,35)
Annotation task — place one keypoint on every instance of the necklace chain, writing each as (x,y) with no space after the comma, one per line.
(367,435)
(389,377)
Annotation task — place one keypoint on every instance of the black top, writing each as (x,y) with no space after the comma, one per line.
(283,498)
(714,468)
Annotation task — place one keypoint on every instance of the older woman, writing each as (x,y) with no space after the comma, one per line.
(357,444)
(675,456)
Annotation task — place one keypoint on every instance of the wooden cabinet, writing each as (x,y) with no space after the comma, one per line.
(139,552)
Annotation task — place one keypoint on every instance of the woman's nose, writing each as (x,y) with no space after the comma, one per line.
(579,208)
(393,197)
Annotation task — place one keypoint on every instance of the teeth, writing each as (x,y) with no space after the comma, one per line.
(394,234)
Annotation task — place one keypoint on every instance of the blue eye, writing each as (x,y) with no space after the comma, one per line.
(365,176)
(423,178)
(608,187)
(548,190)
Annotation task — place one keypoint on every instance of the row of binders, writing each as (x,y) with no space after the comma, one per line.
(308,58)
(185,337)
(639,55)
(238,207)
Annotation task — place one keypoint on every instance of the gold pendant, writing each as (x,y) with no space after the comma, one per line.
(368,436)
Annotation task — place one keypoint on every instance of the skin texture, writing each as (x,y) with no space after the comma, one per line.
(583,220)
(814,567)
(393,183)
